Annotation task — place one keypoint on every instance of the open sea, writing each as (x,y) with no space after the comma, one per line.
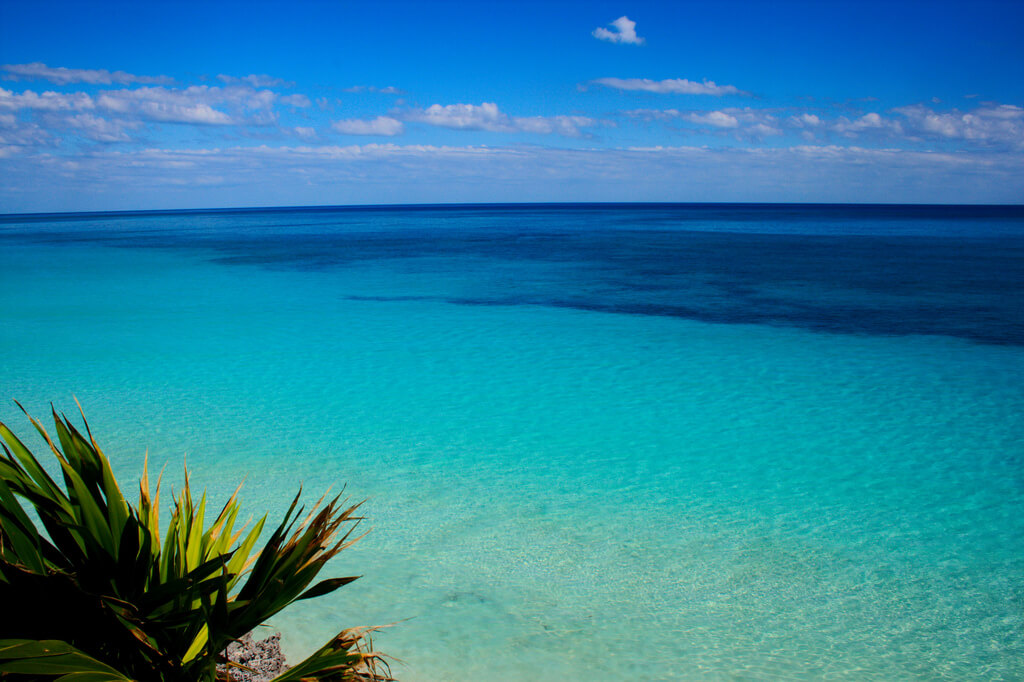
(596,442)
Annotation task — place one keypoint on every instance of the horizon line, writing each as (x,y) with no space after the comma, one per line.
(502,204)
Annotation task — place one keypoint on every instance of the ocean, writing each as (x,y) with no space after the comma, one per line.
(602,442)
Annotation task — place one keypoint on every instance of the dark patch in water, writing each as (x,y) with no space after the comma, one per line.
(389,299)
(959,272)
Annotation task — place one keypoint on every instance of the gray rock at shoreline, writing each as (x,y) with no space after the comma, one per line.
(264,657)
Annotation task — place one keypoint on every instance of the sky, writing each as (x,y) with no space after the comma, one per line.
(166,105)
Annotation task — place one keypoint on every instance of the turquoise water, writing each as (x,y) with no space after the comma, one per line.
(595,442)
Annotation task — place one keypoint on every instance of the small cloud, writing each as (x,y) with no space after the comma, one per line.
(382,125)
(867,122)
(389,90)
(47,101)
(677,86)
(304,131)
(296,100)
(487,116)
(567,126)
(62,76)
(484,116)
(625,32)
(742,123)
(202,114)
(100,129)
(762,130)
(717,119)
(805,121)
(256,80)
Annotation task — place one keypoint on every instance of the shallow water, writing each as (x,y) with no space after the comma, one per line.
(606,442)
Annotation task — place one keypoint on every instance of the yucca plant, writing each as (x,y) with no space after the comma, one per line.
(101,594)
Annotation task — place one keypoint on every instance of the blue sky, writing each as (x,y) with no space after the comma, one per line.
(109,106)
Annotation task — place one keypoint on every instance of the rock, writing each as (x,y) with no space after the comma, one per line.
(263,657)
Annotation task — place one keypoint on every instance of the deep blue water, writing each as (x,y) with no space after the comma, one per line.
(956,271)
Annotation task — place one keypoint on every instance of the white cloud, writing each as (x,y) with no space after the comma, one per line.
(625,32)
(745,122)
(296,100)
(805,120)
(678,86)
(992,124)
(762,130)
(114,112)
(100,129)
(167,106)
(62,76)
(366,151)
(654,114)
(872,123)
(865,122)
(19,136)
(52,110)
(104,178)
(567,126)
(988,125)
(202,114)
(389,90)
(240,161)
(382,125)
(304,131)
(718,119)
(195,104)
(47,101)
(256,80)
(808,163)
(487,116)
(945,125)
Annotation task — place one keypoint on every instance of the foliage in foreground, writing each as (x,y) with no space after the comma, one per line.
(100,597)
